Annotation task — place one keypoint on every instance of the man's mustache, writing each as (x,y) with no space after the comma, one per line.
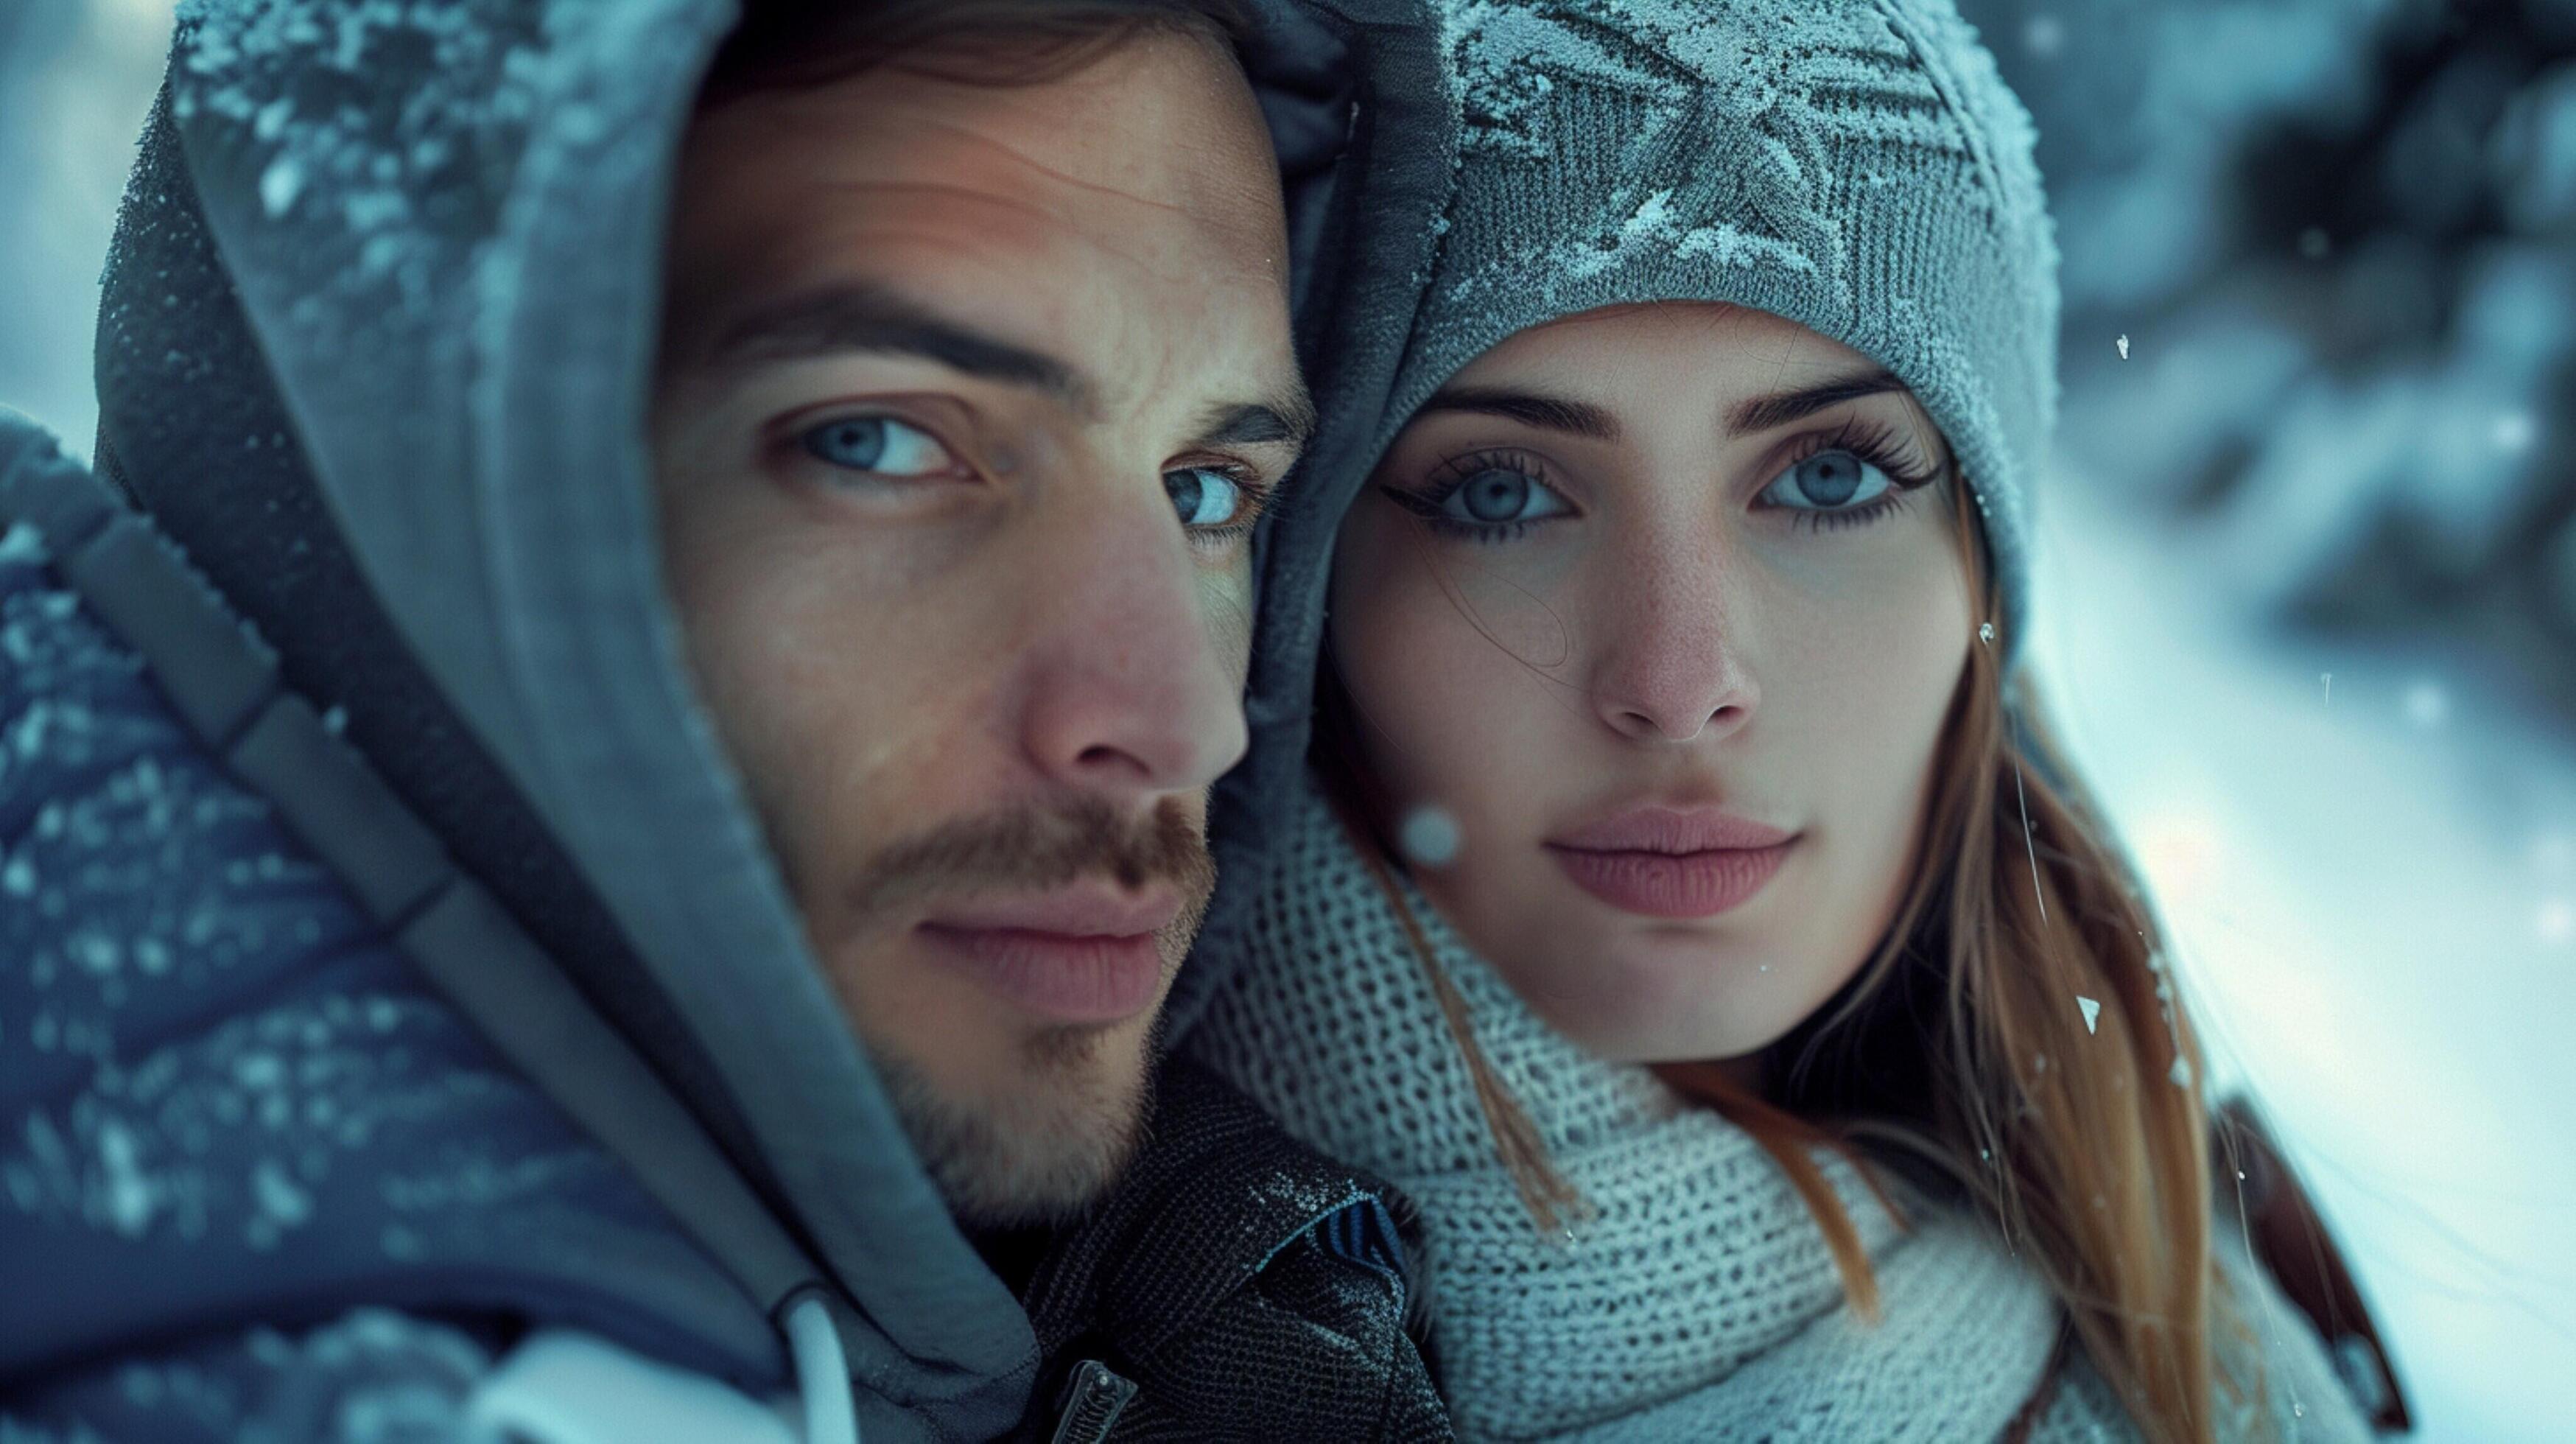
(1036,848)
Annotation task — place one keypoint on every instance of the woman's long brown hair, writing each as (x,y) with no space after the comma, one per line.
(1964,1043)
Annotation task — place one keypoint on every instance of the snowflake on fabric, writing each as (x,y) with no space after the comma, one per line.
(1717,103)
(289,83)
(1748,193)
(1510,59)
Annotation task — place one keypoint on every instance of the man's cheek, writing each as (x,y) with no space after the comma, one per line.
(1226,601)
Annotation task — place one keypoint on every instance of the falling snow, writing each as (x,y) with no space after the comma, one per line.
(1429,836)
(2557,922)
(2428,703)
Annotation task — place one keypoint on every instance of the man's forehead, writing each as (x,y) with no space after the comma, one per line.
(941,187)
(1112,240)
(1114,356)
(1158,124)
(1084,333)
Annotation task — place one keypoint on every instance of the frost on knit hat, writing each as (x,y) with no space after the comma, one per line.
(1858,168)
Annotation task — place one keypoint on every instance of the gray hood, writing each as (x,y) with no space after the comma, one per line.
(376,350)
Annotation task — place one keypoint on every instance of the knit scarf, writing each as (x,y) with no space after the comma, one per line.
(1696,1298)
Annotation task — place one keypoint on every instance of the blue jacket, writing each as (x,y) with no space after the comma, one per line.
(232,1100)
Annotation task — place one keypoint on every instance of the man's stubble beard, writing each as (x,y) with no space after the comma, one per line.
(1035,1146)
(1042,1147)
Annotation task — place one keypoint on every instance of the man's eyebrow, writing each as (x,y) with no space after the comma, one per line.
(1288,418)
(863,317)
(1551,413)
(1762,413)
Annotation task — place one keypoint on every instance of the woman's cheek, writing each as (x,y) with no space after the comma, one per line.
(1422,688)
(1894,675)
(1449,718)
(1379,625)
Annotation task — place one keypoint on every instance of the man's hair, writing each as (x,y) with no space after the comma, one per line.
(795,44)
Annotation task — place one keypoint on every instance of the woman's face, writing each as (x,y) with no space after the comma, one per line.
(1663,607)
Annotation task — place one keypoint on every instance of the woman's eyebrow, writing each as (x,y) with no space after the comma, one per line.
(1578,418)
(1762,413)
(1551,413)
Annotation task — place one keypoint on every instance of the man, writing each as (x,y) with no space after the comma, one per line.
(751,550)
(988,800)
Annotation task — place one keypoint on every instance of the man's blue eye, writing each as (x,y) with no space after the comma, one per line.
(878,445)
(1203,496)
(1827,481)
(1499,496)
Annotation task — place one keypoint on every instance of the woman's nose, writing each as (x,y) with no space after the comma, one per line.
(1670,667)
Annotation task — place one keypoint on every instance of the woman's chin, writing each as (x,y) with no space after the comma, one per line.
(1665,999)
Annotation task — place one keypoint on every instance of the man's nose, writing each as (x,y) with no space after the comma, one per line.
(1131,684)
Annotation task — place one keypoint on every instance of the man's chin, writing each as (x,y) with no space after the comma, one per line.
(1038,1143)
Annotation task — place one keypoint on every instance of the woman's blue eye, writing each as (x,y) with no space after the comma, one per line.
(1204,496)
(1828,481)
(878,445)
(1500,496)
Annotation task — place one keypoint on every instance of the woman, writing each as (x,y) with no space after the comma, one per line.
(1686,913)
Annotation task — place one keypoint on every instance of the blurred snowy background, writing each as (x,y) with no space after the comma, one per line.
(2308,607)
(2308,604)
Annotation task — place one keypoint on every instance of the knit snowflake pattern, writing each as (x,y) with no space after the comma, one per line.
(1731,120)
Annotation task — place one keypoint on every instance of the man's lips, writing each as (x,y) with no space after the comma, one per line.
(1671,862)
(1088,954)
(1085,910)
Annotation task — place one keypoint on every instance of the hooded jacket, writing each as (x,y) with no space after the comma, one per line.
(385,929)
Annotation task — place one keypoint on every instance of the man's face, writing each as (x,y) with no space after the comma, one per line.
(968,397)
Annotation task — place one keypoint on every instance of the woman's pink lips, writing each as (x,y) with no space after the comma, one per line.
(1672,884)
(1665,862)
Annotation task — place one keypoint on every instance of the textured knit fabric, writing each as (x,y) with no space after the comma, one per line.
(1855,166)
(1698,1299)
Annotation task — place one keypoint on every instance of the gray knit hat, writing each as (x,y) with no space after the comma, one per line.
(1855,166)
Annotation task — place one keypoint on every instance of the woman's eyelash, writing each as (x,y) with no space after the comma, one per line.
(1457,471)
(1899,456)
(1879,444)
(1446,479)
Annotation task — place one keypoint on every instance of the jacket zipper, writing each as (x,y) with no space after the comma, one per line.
(1092,1400)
